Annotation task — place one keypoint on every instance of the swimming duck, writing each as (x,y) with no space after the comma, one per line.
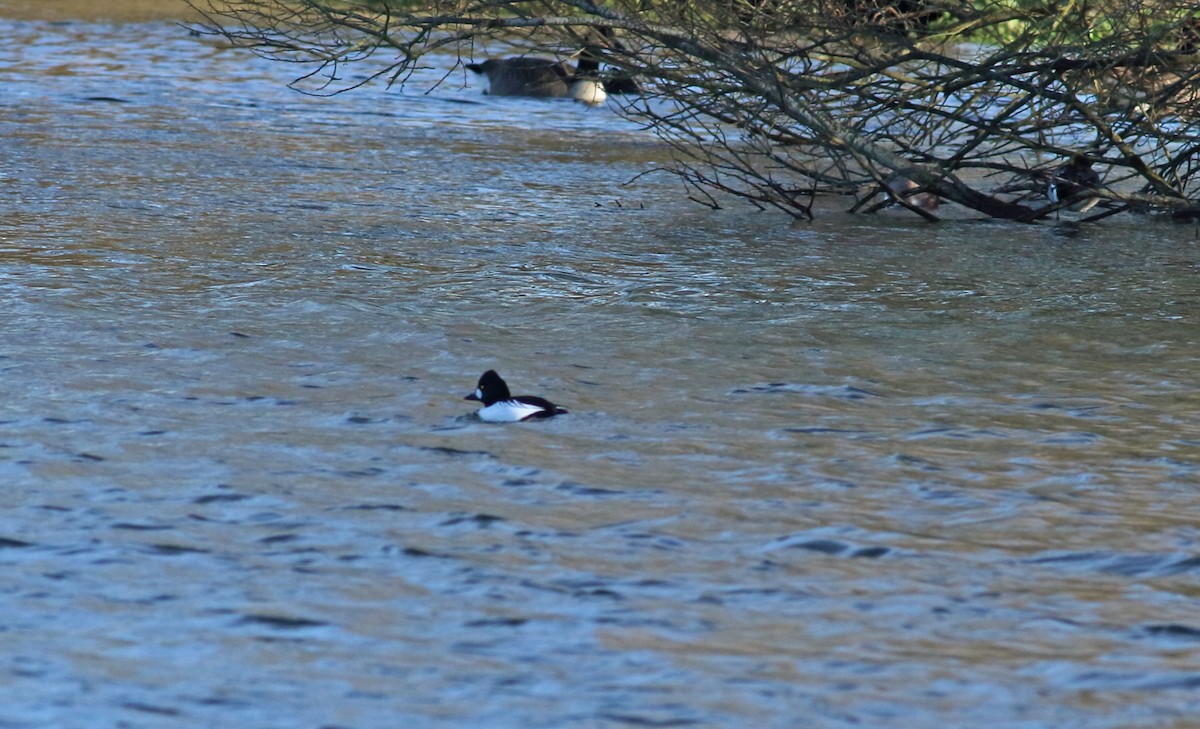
(543,77)
(899,186)
(499,406)
(1071,180)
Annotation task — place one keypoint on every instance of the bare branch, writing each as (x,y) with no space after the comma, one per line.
(776,101)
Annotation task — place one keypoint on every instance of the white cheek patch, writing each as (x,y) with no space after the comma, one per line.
(479,393)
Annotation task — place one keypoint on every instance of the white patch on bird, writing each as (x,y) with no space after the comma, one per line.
(478,393)
(507,411)
(589,92)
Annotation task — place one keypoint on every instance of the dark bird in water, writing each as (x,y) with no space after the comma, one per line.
(548,78)
(899,186)
(499,406)
(543,78)
(1071,181)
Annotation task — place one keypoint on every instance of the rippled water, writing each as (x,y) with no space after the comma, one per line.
(863,472)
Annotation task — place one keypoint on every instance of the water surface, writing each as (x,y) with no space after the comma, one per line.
(862,472)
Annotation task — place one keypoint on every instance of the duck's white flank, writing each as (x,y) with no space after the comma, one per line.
(508,411)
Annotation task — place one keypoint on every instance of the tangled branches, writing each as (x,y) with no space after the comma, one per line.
(776,101)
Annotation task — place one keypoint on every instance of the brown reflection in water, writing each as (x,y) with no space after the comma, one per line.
(128,11)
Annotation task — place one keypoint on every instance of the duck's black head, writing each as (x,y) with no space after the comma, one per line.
(491,389)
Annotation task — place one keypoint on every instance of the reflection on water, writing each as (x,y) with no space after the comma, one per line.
(868,472)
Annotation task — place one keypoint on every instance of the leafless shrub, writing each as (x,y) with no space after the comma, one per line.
(776,101)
